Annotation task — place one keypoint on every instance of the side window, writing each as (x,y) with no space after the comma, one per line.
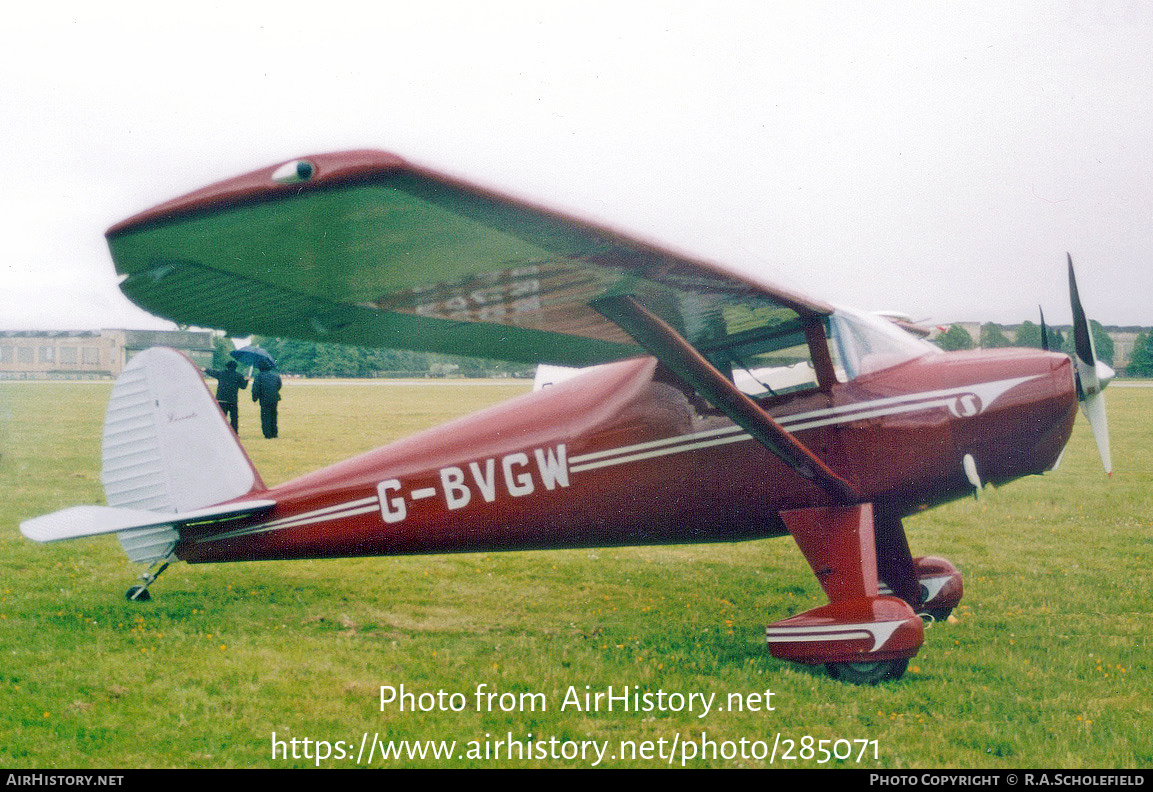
(768,364)
(762,346)
(775,372)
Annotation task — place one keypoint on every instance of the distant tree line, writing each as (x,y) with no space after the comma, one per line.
(311,359)
(1028,335)
(1141,361)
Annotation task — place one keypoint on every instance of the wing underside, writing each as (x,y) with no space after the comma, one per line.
(372,251)
(363,248)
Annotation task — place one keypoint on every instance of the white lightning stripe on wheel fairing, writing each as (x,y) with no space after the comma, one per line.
(933,585)
(877,408)
(880,632)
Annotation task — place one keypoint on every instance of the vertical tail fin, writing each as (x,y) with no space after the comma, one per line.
(168,448)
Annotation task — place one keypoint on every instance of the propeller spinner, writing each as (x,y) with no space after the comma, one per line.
(1092,375)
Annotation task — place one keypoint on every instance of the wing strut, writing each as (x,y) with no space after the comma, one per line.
(677,355)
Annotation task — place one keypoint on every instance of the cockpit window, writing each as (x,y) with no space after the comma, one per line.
(776,359)
(863,343)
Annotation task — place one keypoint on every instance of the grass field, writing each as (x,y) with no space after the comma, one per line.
(1048,664)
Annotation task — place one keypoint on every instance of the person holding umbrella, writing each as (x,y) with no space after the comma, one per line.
(265,386)
(228,385)
(253,356)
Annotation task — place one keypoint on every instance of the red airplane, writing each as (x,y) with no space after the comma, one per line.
(714,408)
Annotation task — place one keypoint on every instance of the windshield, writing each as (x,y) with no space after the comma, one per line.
(863,343)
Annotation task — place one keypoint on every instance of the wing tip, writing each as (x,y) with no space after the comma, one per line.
(259,185)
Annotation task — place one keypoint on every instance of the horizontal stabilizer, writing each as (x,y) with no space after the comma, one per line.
(79,521)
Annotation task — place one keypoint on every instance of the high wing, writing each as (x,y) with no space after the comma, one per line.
(364,248)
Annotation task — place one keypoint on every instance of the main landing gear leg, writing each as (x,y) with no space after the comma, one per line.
(861,636)
(895,568)
(139,592)
(931,585)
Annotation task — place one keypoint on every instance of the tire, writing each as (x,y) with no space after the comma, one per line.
(868,673)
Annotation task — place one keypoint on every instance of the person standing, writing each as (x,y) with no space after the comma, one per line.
(266,390)
(228,386)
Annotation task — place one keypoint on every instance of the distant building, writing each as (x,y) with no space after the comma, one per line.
(90,354)
(1124,339)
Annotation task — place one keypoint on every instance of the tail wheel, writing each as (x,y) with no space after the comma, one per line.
(137,594)
(868,673)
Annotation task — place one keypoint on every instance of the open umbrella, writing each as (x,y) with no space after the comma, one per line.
(253,356)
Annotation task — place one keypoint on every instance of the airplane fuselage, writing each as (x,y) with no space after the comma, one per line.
(622,455)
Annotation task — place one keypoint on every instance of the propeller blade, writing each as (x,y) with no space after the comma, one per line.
(1044,330)
(1084,355)
(1094,409)
(1092,376)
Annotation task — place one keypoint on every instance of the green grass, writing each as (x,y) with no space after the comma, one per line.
(1048,664)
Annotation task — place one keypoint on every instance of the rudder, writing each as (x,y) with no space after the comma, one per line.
(168,448)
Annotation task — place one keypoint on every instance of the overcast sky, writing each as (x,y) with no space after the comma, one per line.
(937,158)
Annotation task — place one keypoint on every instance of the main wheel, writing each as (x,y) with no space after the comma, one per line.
(869,673)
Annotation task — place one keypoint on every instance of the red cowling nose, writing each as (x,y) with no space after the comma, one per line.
(1023,416)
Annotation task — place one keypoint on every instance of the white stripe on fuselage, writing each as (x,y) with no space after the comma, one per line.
(339,511)
(961,402)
